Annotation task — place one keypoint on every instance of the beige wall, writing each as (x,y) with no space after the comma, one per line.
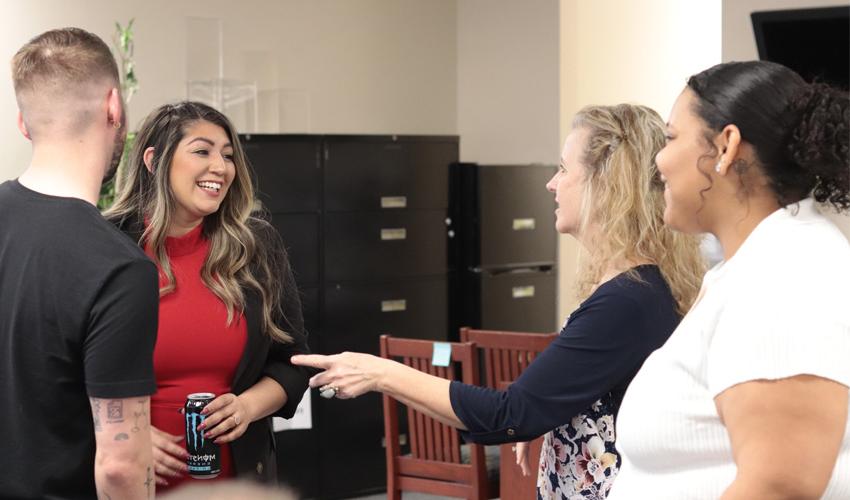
(337,66)
(485,69)
(624,51)
(739,42)
(507,76)
(507,84)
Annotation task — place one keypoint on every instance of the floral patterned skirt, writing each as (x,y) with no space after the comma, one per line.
(578,460)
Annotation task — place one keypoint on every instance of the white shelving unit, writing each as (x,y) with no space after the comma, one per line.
(231,97)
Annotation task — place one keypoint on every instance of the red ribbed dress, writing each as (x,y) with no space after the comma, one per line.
(196,351)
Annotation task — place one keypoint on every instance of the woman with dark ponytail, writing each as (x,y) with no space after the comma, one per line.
(749,396)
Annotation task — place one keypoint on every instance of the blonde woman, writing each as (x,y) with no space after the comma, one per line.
(637,281)
(229,313)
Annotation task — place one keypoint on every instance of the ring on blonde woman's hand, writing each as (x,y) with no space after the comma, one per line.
(328,391)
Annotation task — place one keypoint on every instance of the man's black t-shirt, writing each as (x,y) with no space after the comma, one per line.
(78,319)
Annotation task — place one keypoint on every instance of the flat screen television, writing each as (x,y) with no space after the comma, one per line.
(813,42)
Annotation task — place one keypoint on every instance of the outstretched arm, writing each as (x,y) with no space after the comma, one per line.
(603,345)
(353,374)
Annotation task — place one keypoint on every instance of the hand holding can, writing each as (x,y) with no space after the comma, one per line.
(204,459)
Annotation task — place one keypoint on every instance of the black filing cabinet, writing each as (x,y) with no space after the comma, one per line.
(504,255)
(364,219)
(385,272)
(288,182)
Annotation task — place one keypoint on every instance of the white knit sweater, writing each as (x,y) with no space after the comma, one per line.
(780,307)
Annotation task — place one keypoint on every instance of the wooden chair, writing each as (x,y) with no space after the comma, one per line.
(435,464)
(504,356)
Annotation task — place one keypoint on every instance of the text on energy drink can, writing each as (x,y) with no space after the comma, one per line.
(204,456)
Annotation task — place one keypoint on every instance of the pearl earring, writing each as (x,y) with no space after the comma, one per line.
(717,167)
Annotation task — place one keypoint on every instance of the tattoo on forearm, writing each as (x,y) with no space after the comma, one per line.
(148,481)
(115,412)
(122,436)
(141,417)
(95,405)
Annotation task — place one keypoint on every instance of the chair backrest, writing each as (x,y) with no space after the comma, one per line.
(435,463)
(505,354)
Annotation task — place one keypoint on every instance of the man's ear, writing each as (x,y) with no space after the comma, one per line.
(23,126)
(148,158)
(115,108)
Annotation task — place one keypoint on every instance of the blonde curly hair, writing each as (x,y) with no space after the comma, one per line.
(623,196)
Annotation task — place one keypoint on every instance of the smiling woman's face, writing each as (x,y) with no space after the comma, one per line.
(202,171)
(678,164)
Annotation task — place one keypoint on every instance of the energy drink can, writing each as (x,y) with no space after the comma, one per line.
(204,456)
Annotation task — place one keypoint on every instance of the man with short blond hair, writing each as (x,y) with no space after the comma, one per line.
(78,314)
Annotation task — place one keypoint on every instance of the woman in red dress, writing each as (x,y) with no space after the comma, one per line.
(230,316)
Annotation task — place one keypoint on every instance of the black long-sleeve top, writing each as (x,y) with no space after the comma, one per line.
(599,350)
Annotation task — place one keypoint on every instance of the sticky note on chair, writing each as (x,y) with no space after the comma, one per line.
(442,354)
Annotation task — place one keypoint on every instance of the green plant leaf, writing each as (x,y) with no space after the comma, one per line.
(123,41)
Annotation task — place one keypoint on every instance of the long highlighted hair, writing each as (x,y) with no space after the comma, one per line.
(245,251)
(623,196)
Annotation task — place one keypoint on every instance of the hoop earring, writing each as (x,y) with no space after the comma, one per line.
(116,125)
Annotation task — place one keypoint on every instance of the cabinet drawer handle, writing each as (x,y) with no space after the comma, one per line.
(393,305)
(524,224)
(522,292)
(398,233)
(393,201)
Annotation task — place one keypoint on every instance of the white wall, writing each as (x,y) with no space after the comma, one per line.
(739,42)
(616,51)
(507,81)
(370,66)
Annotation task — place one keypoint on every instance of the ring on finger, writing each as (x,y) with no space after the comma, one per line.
(328,391)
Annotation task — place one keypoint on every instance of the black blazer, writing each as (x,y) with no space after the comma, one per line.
(254,452)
